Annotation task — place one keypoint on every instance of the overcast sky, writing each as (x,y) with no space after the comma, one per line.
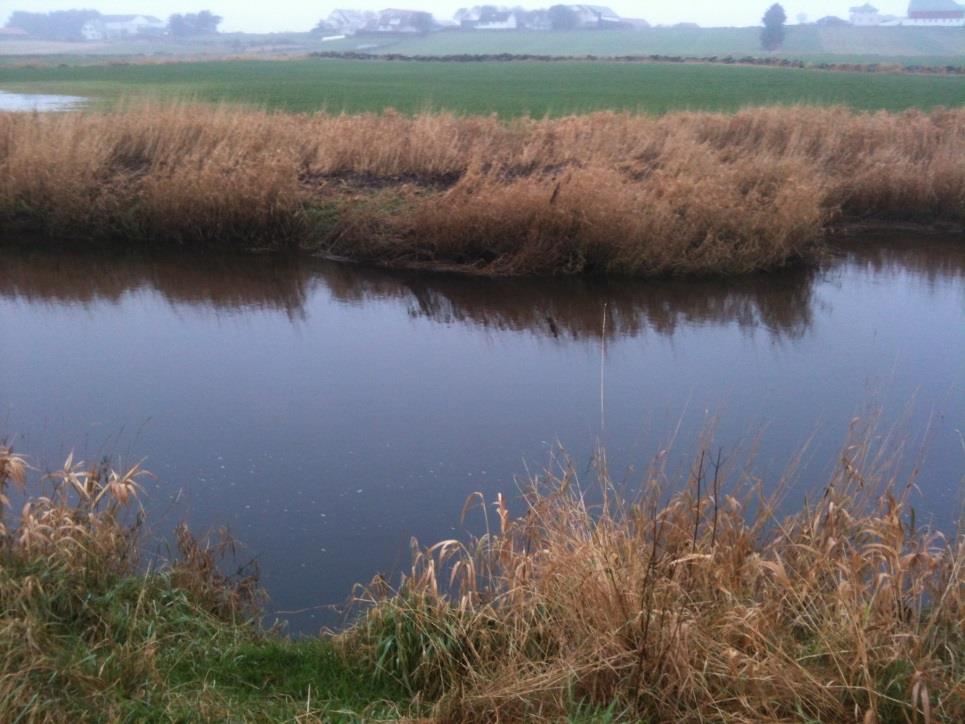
(275,15)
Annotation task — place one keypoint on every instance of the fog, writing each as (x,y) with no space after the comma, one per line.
(301,15)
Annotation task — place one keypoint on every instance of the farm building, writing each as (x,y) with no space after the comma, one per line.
(348,22)
(110,27)
(487,17)
(865,15)
(935,13)
(596,16)
(928,13)
(400,22)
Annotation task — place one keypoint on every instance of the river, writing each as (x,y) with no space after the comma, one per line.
(327,412)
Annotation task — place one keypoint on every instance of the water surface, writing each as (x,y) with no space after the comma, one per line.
(29,102)
(328,412)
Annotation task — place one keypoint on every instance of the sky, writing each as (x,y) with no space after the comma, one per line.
(301,15)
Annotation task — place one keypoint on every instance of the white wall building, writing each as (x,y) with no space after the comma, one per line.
(112,27)
(350,21)
(865,16)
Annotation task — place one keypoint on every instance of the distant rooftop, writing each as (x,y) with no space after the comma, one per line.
(934,6)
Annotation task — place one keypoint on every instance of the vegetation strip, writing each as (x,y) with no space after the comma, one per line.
(686,193)
(634,607)
(654,58)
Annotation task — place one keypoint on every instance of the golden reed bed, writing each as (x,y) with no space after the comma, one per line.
(606,192)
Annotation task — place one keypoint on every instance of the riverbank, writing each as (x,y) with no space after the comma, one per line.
(706,605)
(686,193)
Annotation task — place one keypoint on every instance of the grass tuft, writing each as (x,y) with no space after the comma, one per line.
(704,606)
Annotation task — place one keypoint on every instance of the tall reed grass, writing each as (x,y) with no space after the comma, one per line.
(83,635)
(609,192)
(699,605)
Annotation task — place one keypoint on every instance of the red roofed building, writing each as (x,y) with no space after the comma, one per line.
(935,13)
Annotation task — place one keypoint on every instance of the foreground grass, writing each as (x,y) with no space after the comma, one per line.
(608,193)
(84,637)
(508,89)
(592,605)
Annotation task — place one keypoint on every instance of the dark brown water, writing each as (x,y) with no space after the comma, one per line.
(327,413)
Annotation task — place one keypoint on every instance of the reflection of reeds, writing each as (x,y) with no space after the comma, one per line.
(687,192)
(567,308)
(230,282)
(706,607)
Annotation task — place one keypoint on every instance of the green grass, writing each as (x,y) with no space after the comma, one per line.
(920,46)
(509,89)
(142,649)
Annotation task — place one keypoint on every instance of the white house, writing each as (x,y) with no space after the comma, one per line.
(400,22)
(935,13)
(865,15)
(487,17)
(350,21)
(112,27)
(596,16)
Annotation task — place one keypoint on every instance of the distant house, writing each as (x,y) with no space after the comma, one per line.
(400,22)
(935,13)
(349,22)
(113,27)
(487,17)
(865,16)
(534,19)
(596,16)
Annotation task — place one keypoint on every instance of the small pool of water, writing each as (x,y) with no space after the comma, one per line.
(30,102)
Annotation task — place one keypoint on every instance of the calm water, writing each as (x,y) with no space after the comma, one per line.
(327,413)
(36,102)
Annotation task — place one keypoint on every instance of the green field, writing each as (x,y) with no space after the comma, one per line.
(509,89)
(920,46)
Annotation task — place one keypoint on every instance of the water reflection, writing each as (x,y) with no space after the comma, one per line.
(781,302)
(552,308)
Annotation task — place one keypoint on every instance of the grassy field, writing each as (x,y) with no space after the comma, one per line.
(921,46)
(508,89)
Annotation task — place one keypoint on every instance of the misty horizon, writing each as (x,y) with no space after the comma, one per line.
(300,16)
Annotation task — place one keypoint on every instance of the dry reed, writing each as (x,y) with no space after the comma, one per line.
(613,192)
(703,607)
(80,629)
